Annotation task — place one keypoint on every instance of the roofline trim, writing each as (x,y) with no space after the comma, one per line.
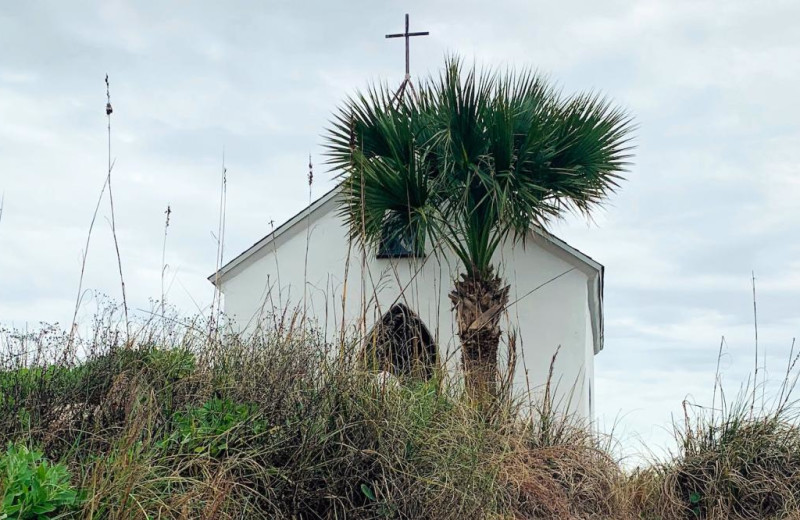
(283,228)
(276,233)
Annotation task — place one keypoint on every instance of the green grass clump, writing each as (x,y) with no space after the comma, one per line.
(215,428)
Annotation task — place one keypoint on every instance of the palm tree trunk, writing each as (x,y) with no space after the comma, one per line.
(478,301)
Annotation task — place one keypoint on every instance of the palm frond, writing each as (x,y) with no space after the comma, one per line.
(472,158)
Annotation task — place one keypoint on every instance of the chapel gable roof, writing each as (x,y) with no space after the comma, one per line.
(581,261)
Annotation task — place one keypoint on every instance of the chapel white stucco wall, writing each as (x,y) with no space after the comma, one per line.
(556,314)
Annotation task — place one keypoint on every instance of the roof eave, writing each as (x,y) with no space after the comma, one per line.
(217,276)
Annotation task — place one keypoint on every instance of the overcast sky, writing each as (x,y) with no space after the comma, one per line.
(714,193)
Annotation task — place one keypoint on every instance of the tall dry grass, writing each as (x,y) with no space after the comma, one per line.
(275,426)
(282,425)
(737,460)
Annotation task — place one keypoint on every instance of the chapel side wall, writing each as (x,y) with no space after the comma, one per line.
(548,319)
(553,315)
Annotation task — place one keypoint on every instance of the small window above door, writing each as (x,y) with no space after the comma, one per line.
(402,244)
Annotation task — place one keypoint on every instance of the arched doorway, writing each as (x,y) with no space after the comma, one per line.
(401,344)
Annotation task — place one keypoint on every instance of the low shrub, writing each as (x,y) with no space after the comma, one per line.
(33,488)
(214,428)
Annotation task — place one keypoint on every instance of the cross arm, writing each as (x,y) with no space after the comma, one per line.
(402,35)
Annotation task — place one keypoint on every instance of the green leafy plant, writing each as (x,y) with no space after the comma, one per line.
(368,492)
(209,428)
(694,500)
(31,487)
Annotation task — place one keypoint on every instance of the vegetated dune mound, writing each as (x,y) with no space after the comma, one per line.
(187,424)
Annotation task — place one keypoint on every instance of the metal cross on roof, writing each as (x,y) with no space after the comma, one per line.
(407,35)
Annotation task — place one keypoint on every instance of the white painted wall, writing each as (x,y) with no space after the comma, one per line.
(556,314)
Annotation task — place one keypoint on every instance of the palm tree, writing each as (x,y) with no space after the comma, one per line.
(467,162)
